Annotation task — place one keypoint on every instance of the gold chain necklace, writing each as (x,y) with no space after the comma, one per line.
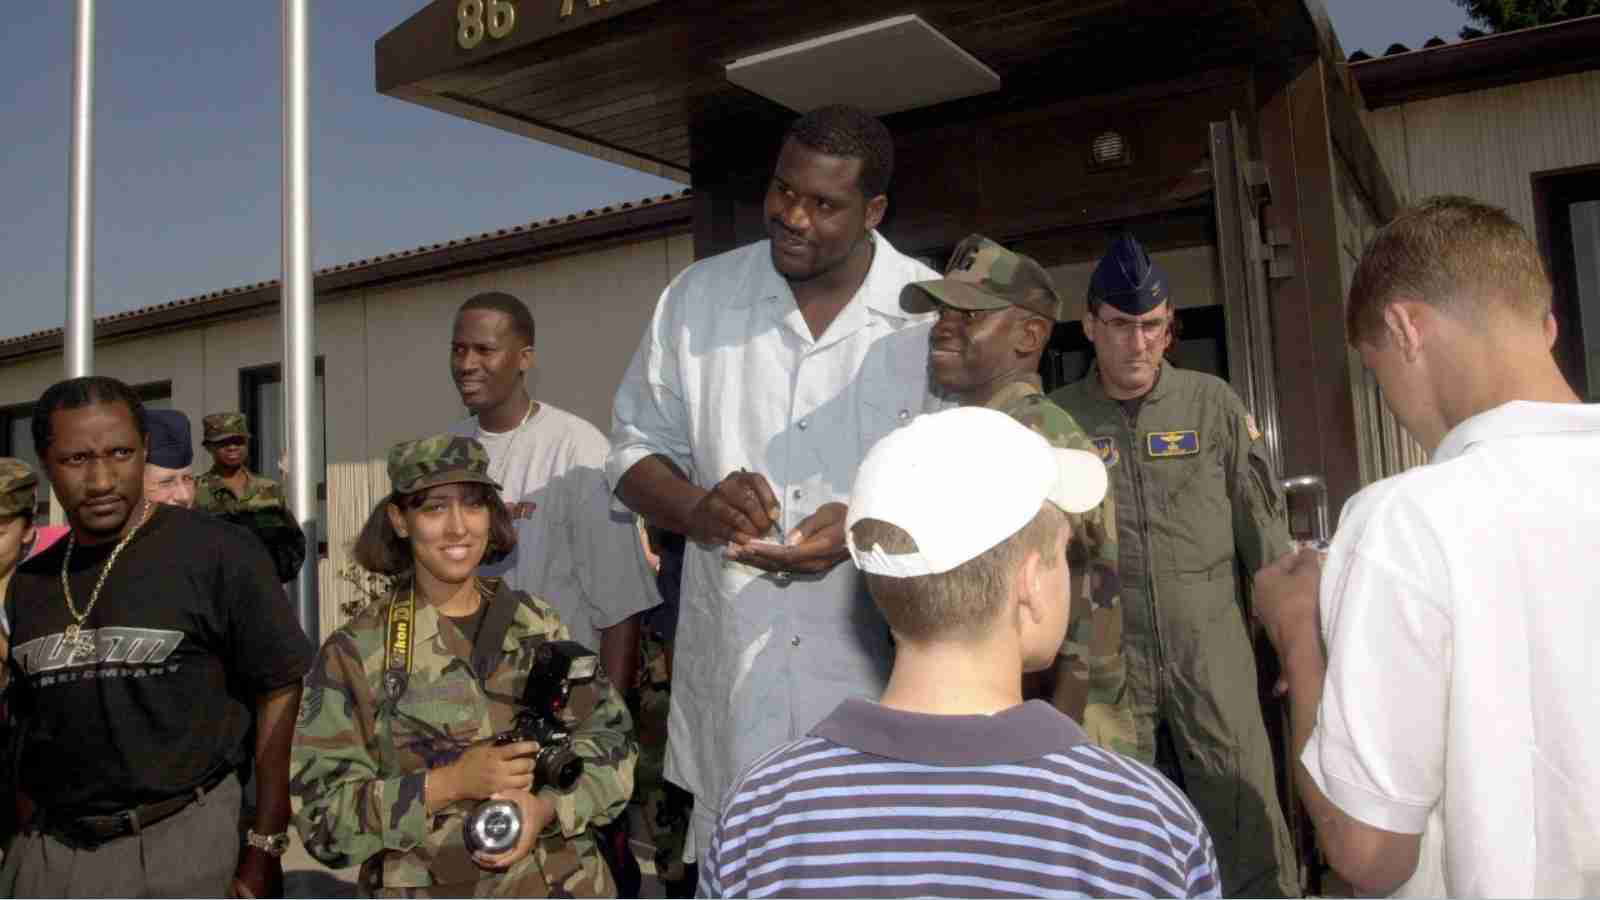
(74,638)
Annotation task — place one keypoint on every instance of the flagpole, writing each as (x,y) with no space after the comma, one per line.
(299,323)
(78,333)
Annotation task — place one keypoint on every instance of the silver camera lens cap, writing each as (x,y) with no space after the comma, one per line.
(493,827)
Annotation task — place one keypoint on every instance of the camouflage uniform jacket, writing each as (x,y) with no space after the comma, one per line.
(1091,672)
(213,495)
(359,764)
(262,510)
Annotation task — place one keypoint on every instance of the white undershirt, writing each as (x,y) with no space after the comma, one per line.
(572,551)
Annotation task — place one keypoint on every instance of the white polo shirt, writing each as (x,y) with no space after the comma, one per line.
(1462,618)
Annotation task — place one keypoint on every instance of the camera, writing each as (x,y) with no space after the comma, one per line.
(495,825)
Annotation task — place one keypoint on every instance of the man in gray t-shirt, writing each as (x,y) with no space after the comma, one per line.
(573,551)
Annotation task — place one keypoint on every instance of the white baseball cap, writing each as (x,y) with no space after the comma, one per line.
(961,481)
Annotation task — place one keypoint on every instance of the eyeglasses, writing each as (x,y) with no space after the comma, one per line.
(1152,329)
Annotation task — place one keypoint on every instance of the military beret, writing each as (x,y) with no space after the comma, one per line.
(440,459)
(18,484)
(984,275)
(220,426)
(171,446)
(1128,279)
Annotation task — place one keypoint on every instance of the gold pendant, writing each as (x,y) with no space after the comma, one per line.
(76,642)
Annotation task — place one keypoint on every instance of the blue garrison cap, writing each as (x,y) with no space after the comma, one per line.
(170,444)
(1128,279)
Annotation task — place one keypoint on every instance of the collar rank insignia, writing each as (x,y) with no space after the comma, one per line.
(1107,448)
(1172,443)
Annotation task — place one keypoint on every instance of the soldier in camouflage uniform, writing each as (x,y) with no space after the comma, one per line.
(665,806)
(18,494)
(393,747)
(1196,498)
(996,311)
(230,485)
(230,490)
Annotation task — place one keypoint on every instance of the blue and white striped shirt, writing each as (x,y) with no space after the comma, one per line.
(878,802)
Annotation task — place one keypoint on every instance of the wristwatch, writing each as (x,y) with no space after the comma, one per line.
(270,844)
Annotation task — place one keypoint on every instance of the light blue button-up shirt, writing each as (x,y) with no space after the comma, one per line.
(728,376)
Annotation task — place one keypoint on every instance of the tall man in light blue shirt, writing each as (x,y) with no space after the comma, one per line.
(765,375)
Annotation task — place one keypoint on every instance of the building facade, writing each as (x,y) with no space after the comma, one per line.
(1511,119)
(382,340)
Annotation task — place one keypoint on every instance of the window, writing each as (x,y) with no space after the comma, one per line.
(1568,211)
(261,401)
(16,435)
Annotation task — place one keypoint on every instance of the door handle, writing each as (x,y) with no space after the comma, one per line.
(1317,487)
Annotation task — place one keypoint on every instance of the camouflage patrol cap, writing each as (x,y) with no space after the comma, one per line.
(220,426)
(17,485)
(440,459)
(985,275)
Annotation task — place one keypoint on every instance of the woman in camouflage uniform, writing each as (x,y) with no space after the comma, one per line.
(392,750)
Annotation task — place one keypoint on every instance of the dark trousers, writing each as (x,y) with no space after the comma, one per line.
(190,854)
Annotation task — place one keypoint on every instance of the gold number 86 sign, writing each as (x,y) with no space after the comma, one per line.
(495,18)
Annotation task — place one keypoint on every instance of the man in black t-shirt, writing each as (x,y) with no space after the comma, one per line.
(135,681)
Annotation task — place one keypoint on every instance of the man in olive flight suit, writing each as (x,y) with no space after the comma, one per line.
(996,312)
(1196,498)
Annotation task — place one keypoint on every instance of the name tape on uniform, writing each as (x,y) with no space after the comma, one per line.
(1172,443)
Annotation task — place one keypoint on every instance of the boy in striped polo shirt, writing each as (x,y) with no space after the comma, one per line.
(950,785)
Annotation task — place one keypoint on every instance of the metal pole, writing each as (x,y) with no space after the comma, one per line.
(79,332)
(300,338)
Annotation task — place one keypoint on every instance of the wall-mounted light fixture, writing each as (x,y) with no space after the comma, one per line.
(1109,150)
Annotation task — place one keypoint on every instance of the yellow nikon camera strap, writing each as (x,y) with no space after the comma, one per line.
(397,662)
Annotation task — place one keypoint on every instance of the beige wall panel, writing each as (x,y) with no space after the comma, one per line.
(591,313)
(1486,144)
(24,381)
(175,357)
(680,253)
(1387,128)
(386,371)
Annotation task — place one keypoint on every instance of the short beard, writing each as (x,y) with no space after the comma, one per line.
(814,274)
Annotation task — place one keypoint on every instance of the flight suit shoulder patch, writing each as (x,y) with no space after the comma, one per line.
(1107,448)
(1160,444)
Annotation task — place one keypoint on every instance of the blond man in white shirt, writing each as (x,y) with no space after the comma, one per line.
(1444,715)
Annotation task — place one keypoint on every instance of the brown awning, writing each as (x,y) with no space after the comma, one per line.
(634,81)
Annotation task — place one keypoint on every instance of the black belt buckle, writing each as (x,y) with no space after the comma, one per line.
(85,833)
(89,832)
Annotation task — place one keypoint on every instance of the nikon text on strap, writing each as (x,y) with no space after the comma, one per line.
(397,661)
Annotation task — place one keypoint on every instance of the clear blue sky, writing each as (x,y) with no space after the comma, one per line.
(188,153)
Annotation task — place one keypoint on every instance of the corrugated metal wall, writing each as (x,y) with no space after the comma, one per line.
(1486,144)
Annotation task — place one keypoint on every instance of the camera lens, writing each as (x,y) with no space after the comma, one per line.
(493,827)
(559,767)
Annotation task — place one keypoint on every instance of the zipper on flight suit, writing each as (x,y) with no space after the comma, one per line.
(1132,424)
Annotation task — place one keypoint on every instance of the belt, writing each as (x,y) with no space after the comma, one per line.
(89,832)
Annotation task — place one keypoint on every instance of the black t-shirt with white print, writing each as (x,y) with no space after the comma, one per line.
(190,629)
